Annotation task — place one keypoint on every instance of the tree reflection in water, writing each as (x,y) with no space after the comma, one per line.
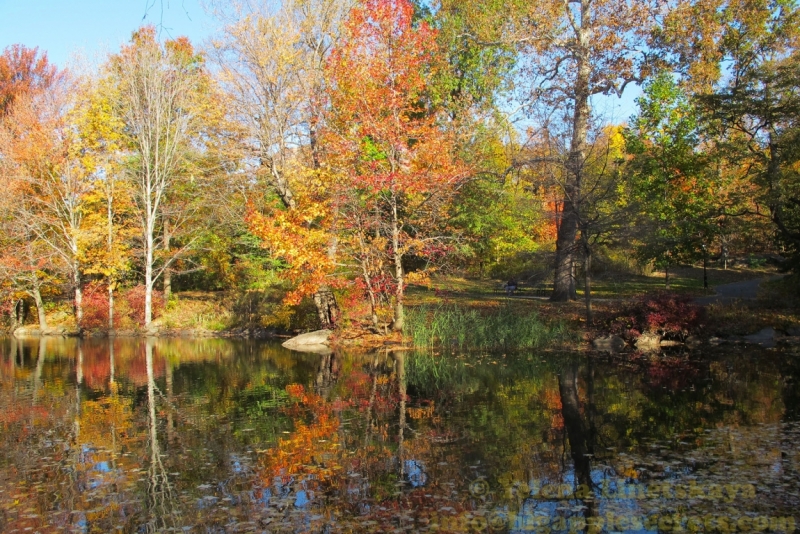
(579,431)
(163,513)
(152,435)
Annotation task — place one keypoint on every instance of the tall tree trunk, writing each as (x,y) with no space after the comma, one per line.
(78,283)
(666,277)
(373,302)
(110,249)
(399,313)
(19,315)
(564,283)
(327,309)
(110,305)
(148,276)
(705,267)
(280,183)
(587,280)
(365,271)
(167,270)
(37,300)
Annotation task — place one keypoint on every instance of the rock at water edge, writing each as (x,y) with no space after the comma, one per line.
(318,337)
(764,337)
(648,342)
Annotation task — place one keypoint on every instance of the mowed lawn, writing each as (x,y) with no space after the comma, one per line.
(477,292)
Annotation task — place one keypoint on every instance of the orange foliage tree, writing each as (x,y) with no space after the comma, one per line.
(301,237)
(46,183)
(394,160)
(24,71)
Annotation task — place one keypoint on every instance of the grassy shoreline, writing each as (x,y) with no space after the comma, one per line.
(455,312)
(506,328)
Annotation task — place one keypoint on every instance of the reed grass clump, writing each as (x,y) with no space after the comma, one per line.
(509,328)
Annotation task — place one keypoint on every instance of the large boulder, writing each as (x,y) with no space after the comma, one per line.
(316,341)
(27,331)
(608,344)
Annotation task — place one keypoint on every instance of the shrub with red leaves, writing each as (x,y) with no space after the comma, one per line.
(669,315)
(95,306)
(135,298)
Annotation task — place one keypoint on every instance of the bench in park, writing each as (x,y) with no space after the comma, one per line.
(537,288)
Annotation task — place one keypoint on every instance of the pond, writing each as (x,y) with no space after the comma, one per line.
(233,436)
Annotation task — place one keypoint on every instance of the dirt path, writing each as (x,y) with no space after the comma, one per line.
(747,290)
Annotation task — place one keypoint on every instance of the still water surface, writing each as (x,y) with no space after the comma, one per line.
(234,436)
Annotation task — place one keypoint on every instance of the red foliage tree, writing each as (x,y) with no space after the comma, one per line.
(390,146)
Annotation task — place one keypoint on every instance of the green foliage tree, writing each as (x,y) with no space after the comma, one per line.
(671,176)
(740,60)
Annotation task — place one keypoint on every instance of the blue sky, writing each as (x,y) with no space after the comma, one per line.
(94,27)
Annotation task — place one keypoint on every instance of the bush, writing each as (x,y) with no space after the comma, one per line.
(95,306)
(135,298)
(667,314)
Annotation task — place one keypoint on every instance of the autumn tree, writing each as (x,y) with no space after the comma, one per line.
(159,92)
(26,265)
(271,68)
(574,51)
(109,206)
(396,165)
(668,174)
(475,72)
(47,181)
(24,71)
(605,208)
(603,212)
(744,76)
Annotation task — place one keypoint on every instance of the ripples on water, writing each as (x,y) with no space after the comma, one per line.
(223,436)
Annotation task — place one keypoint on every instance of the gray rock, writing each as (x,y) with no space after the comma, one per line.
(765,337)
(27,331)
(609,344)
(309,339)
(648,342)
